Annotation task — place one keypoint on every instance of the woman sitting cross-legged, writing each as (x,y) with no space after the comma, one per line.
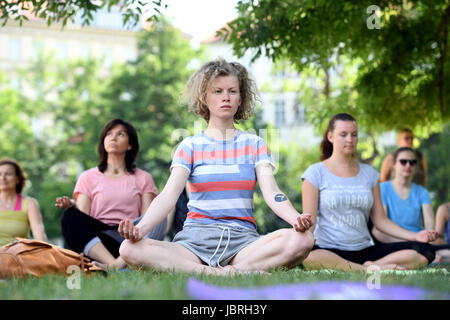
(341,194)
(407,204)
(105,195)
(222,164)
(18,214)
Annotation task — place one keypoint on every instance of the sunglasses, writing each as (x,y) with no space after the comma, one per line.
(411,162)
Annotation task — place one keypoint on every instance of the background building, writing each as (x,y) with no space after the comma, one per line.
(105,38)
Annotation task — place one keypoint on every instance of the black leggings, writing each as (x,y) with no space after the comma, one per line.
(380,250)
(441,246)
(425,249)
(79,229)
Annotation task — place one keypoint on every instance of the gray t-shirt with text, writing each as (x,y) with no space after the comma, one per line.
(344,207)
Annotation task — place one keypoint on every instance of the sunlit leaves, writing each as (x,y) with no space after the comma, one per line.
(402,75)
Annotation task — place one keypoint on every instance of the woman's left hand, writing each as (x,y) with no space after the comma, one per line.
(304,222)
(426,236)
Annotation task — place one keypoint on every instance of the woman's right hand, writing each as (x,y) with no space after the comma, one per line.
(129,231)
(64,202)
(426,236)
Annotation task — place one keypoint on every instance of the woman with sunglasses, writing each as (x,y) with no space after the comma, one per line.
(405,203)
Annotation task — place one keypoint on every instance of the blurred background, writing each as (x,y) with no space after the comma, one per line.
(61,81)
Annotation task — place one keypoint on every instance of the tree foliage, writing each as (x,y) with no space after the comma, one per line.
(56,11)
(435,148)
(53,129)
(401,68)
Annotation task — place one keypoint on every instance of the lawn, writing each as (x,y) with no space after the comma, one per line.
(144,285)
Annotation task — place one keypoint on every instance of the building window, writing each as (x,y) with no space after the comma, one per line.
(61,51)
(85,52)
(105,19)
(280,112)
(37,48)
(108,57)
(14,49)
(299,114)
(131,55)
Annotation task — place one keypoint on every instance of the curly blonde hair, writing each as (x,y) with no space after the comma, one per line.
(194,94)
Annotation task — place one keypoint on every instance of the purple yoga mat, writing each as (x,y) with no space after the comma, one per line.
(326,290)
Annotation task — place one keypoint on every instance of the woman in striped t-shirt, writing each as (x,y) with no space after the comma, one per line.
(222,165)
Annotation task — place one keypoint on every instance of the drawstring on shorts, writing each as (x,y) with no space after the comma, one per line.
(218,246)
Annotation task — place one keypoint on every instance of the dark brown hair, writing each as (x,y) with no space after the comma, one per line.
(402,149)
(326,147)
(130,155)
(19,173)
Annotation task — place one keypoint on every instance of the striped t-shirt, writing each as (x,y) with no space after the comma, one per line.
(222,177)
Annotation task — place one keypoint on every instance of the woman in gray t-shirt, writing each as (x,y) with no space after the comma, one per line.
(341,194)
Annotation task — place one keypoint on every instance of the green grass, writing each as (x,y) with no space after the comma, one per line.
(135,285)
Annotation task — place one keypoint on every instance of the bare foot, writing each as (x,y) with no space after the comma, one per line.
(391,266)
(230,270)
(437,259)
(109,267)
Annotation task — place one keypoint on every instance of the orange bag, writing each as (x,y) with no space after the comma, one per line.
(25,257)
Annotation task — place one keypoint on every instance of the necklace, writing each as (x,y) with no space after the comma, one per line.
(8,204)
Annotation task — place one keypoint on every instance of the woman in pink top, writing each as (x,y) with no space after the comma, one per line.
(105,195)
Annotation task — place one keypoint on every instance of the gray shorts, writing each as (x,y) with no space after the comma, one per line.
(215,244)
